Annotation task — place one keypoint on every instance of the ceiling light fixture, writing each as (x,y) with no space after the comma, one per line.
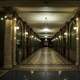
(60,36)
(65,33)
(46,36)
(2,18)
(5,17)
(26,33)
(46,30)
(17,27)
(75,28)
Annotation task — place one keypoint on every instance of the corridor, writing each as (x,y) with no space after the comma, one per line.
(46,56)
(39,39)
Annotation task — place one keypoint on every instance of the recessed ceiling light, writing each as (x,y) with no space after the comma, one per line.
(45,36)
(5,16)
(2,18)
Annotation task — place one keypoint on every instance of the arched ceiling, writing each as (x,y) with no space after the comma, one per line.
(46,21)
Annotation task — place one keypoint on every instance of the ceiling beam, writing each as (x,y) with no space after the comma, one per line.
(66,12)
(46,33)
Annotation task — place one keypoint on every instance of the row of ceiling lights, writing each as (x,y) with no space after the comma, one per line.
(2,18)
(66,33)
(32,37)
(5,17)
(46,30)
(26,33)
(17,28)
(59,37)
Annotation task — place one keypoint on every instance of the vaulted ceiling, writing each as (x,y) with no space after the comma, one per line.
(46,21)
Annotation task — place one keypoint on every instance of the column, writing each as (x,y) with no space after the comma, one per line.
(10,43)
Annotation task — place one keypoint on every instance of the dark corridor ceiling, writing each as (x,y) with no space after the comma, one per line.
(56,3)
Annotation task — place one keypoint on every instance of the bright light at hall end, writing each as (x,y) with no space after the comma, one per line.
(46,30)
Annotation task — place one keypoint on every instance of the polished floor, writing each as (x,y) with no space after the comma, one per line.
(41,75)
(46,56)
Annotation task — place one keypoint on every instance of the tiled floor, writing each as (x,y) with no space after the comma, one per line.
(46,56)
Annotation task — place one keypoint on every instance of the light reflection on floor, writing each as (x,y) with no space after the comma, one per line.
(42,75)
(46,56)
